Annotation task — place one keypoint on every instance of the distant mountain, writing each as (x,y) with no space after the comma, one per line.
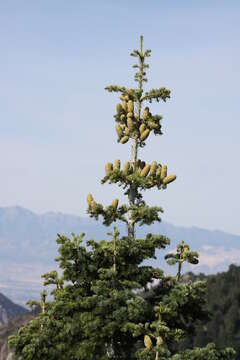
(10,328)
(12,316)
(9,310)
(28,246)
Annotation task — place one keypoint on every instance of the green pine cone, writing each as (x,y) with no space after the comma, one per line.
(153,168)
(169,179)
(145,170)
(144,135)
(124,139)
(130,106)
(116,165)
(126,167)
(142,127)
(158,171)
(130,115)
(130,124)
(115,203)
(89,199)
(118,130)
(163,172)
(93,206)
(124,105)
(126,131)
(145,113)
(159,341)
(147,342)
(108,168)
(118,108)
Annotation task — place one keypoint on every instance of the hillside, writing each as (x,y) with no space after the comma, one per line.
(11,328)
(9,310)
(223,299)
(11,318)
(28,246)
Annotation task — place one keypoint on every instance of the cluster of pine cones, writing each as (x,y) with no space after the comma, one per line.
(155,170)
(127,125)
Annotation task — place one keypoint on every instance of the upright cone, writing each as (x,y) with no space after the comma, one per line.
(116,165)
(126,168)
(89,199)
(169,179)
(108,168)
(153,168)
(147,342)
(115,203)
(144,135)
(118,130)
(130,106)
(145,170)
(163,172)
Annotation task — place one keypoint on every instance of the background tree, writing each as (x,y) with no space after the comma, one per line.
(223,302)
(102,307)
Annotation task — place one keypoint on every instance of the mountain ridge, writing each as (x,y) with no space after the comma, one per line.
(86,218)
(28,246)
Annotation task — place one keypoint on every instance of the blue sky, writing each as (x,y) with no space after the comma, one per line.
(57,129)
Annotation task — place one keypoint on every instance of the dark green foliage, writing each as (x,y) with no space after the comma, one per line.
(183,254)
(157,94)
(208,353)
(110,214)
(98,305)
(102,306)
(223,300)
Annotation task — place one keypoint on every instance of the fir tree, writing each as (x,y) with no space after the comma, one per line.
(102,307)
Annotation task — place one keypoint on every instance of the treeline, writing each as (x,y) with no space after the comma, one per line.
(223,304)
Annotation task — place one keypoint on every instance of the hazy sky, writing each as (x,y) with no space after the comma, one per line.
(57,128)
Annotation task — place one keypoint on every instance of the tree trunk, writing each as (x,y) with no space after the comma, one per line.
(134,155)
(132,190)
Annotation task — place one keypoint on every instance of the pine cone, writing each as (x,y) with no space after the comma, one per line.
(116,165)
(89,199)
(145,170)
(144,135)
(108,168)
(124,139)
(124,105)
(147,342)
(130,106)
(163,172)
(169,179)
(130,124)
(153,168)
(118,130)
(118,108)
(142,127)
(145,113)
(115,203)
(126,168)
